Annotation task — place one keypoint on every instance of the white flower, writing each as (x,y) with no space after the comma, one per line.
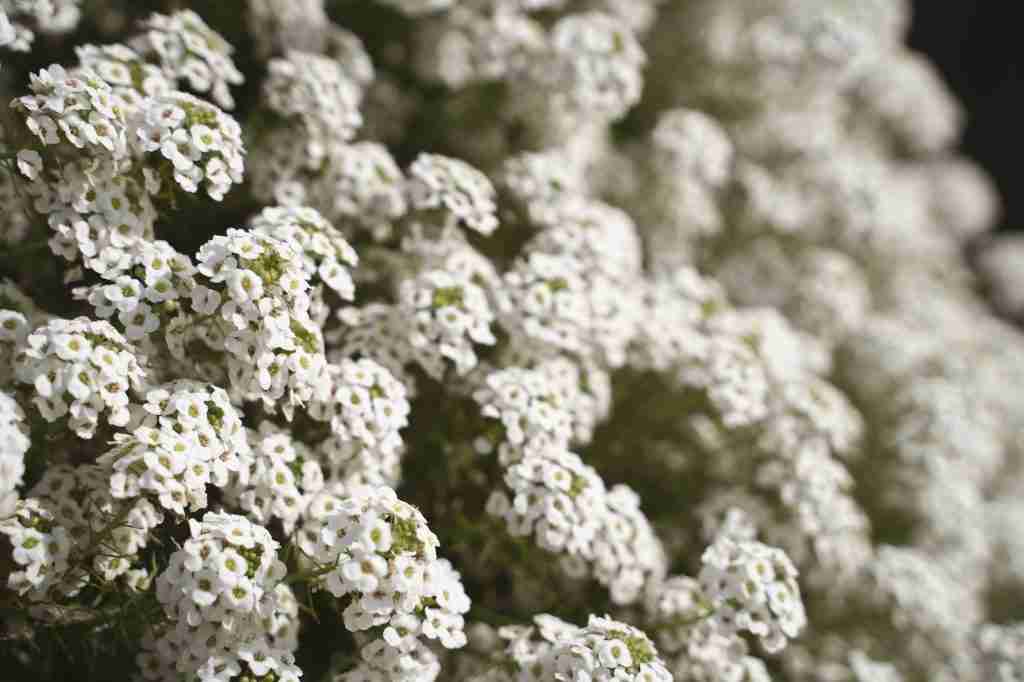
(326,254)
(756,585)
(280,479)
(263,320)
(318,92)
(527,405)
(589,71)
(225,579)
(463,194)
(447,312)
(30,163)
(364,403)
(60,361)
(187,49)
(173,453)
(81,104)
(385,557)
(165,130)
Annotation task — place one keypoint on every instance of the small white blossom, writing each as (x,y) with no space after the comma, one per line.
(40,547)
(257,293)
(220,592)
(462,194)
(317,92)
(127,73)
(85,537)
(385,557)
(80,370)
(190,52)
(447,314)
(282,477)
(752,587)
(607,649)
(526,404)
(363,403)
(193,141)
(358,187)
(590,70)
(14,443)
(187,435)
(78,108)
(326,256)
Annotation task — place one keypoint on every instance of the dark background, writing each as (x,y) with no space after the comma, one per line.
(979,48)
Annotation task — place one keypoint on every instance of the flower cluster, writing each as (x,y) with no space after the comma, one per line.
(75,109)
(381,552)
(40,548)
(282,477)
(79,370)
(326,256)
(102,144)
(216,591)
(97,214)
(552,649)
(546,302)
(187,435)
(448,313)
(188,50)
(20,19)
(526,403)
(583,389)
(145,291)
(589,71)
(673,329)
(129,76)
(469,46)
(69,533)
(364,404)
(108,533)
(556,498)
(374,332)
(254,292)
(627,553)
(595,251)
(602,237)
(316,91)
(351,462)
(359,187)
(752,587)
(609,650)
(285,24)
(462,194)
(564,505)
(198,144)
(14,443)
(18,317)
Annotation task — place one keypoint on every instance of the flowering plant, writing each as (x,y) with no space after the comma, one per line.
(499,341)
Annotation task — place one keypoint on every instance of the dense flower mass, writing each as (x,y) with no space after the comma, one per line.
(187,435)
(220,593)
(197,143)
(12,453)
(500,341)
(79,370)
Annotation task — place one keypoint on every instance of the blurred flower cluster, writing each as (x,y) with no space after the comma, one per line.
(500,341)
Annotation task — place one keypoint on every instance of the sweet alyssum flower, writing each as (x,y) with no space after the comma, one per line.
(466,314)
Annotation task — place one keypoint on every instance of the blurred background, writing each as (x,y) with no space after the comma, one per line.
(978,47)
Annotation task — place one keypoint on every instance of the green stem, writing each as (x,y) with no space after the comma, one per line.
(304,576)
